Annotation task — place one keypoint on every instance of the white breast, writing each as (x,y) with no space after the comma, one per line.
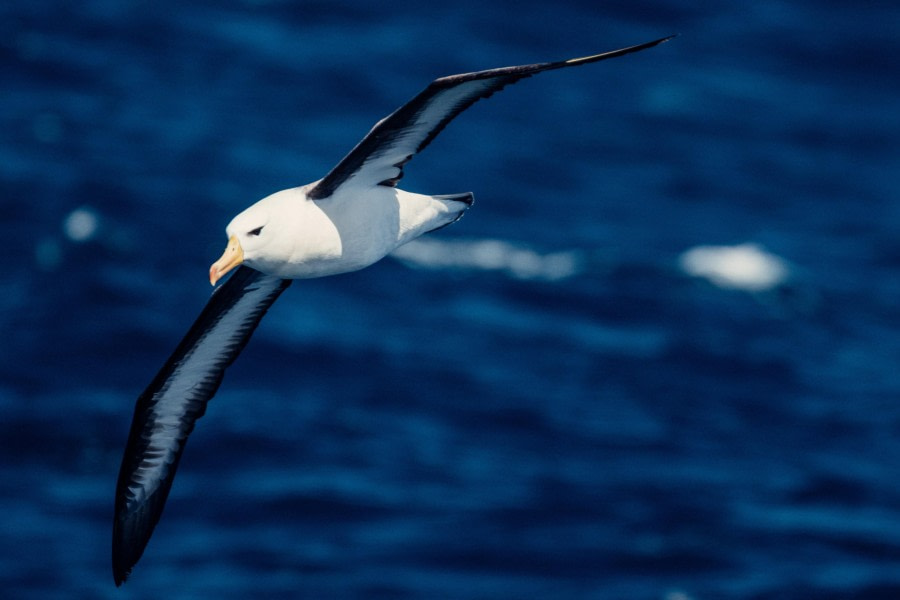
(342,233)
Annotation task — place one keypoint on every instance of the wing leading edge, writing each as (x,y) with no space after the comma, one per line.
(379,157)
(167,410)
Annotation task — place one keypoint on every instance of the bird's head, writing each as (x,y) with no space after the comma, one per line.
(248,233)
(285,234)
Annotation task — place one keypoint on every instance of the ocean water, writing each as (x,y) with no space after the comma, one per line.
(657,359)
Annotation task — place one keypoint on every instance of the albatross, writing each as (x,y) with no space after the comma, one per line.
(349,219)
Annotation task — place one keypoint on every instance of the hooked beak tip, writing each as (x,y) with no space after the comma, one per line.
(231,258)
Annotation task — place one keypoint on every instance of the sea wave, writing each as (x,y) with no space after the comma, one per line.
(745,267)
(517,261)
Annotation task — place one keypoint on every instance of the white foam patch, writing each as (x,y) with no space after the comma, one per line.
(745,267)
(489,255)
(81,225)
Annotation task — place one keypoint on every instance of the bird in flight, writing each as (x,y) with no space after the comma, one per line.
(346,221)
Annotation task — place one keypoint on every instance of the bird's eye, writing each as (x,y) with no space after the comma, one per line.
(256,231)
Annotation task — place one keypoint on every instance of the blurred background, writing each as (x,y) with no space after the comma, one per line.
(657,359)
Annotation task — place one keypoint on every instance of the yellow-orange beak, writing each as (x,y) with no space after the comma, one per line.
(233,256)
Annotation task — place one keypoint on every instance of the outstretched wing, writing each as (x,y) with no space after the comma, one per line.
(379,158)
(165,413)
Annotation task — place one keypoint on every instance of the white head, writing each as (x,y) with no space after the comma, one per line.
(289,235)
(250,235)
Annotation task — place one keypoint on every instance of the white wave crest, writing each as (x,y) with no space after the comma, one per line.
(81,224)
(745,267)
(489,255)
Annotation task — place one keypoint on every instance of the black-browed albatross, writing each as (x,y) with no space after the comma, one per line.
(349,219)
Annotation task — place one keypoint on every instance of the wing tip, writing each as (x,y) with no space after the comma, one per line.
(120,566)
(124,556)
(666,39)
(619,52)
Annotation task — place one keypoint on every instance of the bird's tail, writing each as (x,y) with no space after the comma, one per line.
(464,201)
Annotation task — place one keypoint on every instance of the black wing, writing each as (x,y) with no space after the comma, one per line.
(165,413)
(379,158)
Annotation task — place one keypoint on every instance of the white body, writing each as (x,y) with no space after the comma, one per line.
(303,238)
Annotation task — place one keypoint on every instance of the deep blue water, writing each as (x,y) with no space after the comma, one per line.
(540,401)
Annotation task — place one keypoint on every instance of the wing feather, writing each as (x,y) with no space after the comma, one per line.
(165,413)
(379,157)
